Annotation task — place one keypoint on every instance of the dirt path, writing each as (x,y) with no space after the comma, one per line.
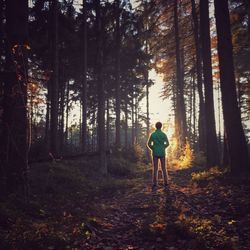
(141,219)
(213,213)
(182,217)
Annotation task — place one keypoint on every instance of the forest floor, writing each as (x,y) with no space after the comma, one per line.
(199,210)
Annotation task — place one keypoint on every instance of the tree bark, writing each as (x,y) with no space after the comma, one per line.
(126,120)
(62,117)
(15,96)
(117,77)
(93,131)
(194,111)
(147,86)
(236,141)
(108,123)
(54,87)
(225,159)
(47,122)
(84,79)
(180,130)
(201,121)
(67,115)
(101,92)
(211,139)
(219,125)
(136,120)
(190,113)
(181,96)
(247,3)
(132,118)
(147,103)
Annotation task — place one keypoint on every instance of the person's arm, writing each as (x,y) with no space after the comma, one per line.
(150,142)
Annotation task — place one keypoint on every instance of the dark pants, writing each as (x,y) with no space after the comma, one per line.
(155,169)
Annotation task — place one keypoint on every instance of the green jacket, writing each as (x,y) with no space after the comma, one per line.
(158,142)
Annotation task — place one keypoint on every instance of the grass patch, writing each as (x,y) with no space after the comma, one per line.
(61,197)
(204,177)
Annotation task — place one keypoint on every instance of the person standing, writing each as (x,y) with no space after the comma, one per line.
(157,143)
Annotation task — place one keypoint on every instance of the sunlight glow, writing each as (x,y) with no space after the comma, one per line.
(159,109)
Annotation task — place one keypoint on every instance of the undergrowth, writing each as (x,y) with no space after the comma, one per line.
(58,194)
(205,177)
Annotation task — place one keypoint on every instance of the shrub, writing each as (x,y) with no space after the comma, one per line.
(187,158)
(205,176)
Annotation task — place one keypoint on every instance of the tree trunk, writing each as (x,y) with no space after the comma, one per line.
(15,96)
(190,113)
(93,133)
(180,105)
(146,28)
(147,104)
(225,160)
(67,115)
(247,3)
(108,123)
(47,122)
(219,125)
(2,40)
(54,87)
(181,96)
(236,141)
(211,139)
(101,92)
(174,100)
(136,120)
(148,155)
(194,111)
(201,121)
(126,120)
(62,105)
(117,77)
(1,22)
(2,53)
(147,89)
(132,119)
(84,80)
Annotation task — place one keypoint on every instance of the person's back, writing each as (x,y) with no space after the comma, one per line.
(157,143)
(160,142)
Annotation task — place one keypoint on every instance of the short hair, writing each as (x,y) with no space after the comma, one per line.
(158,125)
